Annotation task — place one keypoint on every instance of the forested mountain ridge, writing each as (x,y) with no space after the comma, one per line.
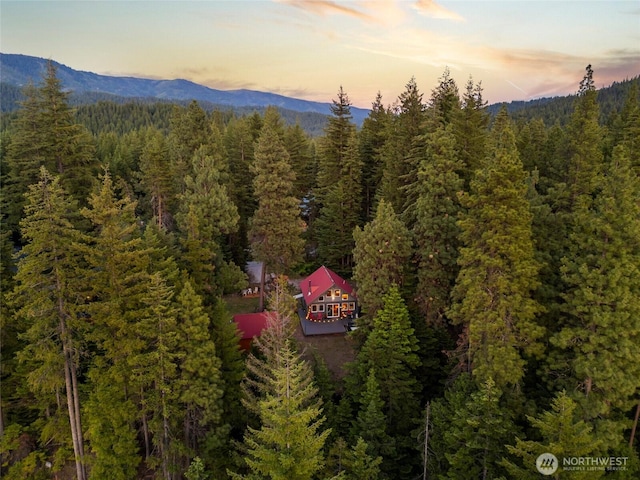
(88,88)
(18,70)
(558,109)
(497,263)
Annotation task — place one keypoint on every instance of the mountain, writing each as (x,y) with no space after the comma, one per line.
(610,99)
(18,70)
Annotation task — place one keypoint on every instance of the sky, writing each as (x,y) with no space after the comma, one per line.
(519,50)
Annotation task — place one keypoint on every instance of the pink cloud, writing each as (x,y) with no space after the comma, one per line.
(430,8)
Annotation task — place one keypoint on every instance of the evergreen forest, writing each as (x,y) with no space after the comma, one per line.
(495,256)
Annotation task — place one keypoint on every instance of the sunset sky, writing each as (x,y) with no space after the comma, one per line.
(307,48)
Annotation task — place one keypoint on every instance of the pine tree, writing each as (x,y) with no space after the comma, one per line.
(333,146)
(303,162)
(119,273)
(190,130)
(239,141)
(391,351)
(382,250)
(154,371)
(372,139)
(46,297)
(498,272)
(436,231)
(444,107)
(206,213)
(400,162)
(471,130)
(66,146)
(585,145)
(200,381)
(444,104)
(359,464)
(600,328)
(23,158)
(157,179)
(289,442)
(276,226)
(370,424)
(561,433)
(47,135)
(110,418)
(340,213)
(475,436)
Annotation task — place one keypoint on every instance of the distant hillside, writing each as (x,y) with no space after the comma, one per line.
(611,100)
(130,113)
(18,70)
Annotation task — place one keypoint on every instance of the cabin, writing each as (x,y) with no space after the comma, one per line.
(327,299)
(251,326)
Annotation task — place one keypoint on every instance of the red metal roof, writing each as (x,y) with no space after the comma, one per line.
(251,324)
(320,281)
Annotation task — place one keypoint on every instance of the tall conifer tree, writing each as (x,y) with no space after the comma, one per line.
(47,297)
(372,138)
(601,324)
(436,231)
(382,250)
(276,226)
(492,296)
(340,213)
(118,266)
(333,146)
(390,351)
(400,163)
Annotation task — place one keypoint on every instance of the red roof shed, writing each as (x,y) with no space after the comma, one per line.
(250,326)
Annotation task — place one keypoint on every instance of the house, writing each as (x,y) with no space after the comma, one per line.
(326,298)
(250,326)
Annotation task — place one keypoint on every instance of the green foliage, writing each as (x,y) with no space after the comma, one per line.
(340,213)
(110,418)
(102,335)
(435,230)
(493,292)
(359,464)
(46,135)
(390,353)
(196,470)
(560,433)
(370,424)
(200,381)
(382,249)
(372,139)
(332,148)
(403,130)
(276,227)
(470,429)
(598,337)
(206,214)
(289,442)
(47,300)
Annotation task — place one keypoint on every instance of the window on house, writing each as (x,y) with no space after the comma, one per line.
(321,308)
(314,308)
(321,298)
(336,293)
(352,306)
(345,296)
(333,310)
